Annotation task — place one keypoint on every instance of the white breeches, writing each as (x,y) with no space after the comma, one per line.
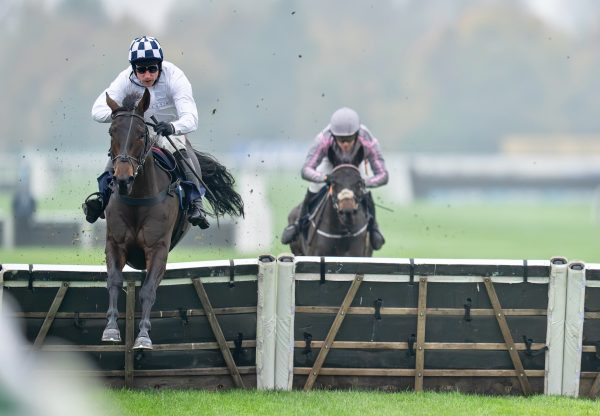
(324,167)
(178,141)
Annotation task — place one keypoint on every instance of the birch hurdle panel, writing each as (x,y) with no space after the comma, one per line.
(506,327)
(63,309)
(477,326)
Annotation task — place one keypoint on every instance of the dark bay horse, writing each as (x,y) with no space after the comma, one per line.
(143,218)
(338,226)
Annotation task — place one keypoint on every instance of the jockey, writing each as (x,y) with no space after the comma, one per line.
(345,132)
(171,103)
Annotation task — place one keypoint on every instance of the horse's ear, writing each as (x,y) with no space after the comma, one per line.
(359,155)
(144,102)
(111,103)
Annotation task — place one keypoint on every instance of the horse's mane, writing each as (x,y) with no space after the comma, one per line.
(129,102)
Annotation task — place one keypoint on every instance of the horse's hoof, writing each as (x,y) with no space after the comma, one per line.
(111,335)
(142,343)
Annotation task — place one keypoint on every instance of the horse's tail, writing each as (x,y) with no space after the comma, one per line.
(220,194)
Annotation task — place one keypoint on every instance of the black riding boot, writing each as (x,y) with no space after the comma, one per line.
(196,214)
(291,231)
(94,204)
(93,207)
(377,240)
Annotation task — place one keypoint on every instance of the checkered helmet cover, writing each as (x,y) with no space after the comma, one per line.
(145,47)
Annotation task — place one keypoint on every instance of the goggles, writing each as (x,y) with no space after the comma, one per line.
(345,139)
(150,68)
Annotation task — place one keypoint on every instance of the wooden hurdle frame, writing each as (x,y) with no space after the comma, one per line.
(197,275)
(570,334)
(422,311)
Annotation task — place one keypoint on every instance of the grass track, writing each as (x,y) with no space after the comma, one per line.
(494,231)
(181,403)
(95,256)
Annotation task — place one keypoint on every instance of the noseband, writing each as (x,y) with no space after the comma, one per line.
(123,156)
(334,197)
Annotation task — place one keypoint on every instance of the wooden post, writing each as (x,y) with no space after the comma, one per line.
(312,376)
(510,344)
(595,389)
(129,332)
(216,328)
(60,295)
(421,319)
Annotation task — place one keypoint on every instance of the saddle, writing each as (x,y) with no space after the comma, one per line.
(185,190)
(311,208)
(166,161)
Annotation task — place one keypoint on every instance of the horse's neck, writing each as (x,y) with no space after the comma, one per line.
(150,180)
(328,216)
(334,216)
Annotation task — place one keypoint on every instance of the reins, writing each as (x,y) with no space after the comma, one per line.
(123,156)
(334,201)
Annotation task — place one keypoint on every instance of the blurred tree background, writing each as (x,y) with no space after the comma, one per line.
(433,76)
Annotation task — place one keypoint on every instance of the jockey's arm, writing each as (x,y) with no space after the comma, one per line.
(380,173)
(315,155)
(181,91)
(117,90)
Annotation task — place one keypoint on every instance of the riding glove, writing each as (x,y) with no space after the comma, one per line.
(165,129)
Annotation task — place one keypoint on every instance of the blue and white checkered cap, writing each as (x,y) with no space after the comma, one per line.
(145,47)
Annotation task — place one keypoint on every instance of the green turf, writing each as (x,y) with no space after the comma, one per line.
(347,403)
(510,230)
(500,231)
(61,255)
(425,230)
(492,231)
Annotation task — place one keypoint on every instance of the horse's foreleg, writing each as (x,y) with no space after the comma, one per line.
(156,262)
(114,265)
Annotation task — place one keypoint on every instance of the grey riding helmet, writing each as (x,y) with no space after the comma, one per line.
(344,122)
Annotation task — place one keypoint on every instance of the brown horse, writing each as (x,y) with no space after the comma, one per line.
(338,226)
(143,218)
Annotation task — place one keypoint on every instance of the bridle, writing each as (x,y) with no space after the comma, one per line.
(334,197)
(136,163)
(335,202)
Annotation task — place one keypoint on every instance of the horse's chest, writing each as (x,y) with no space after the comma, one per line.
(148,229)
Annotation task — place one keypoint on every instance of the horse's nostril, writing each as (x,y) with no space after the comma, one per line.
(130,179)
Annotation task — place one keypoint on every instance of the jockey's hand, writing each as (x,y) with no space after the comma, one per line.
(165,129)
(327,180)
